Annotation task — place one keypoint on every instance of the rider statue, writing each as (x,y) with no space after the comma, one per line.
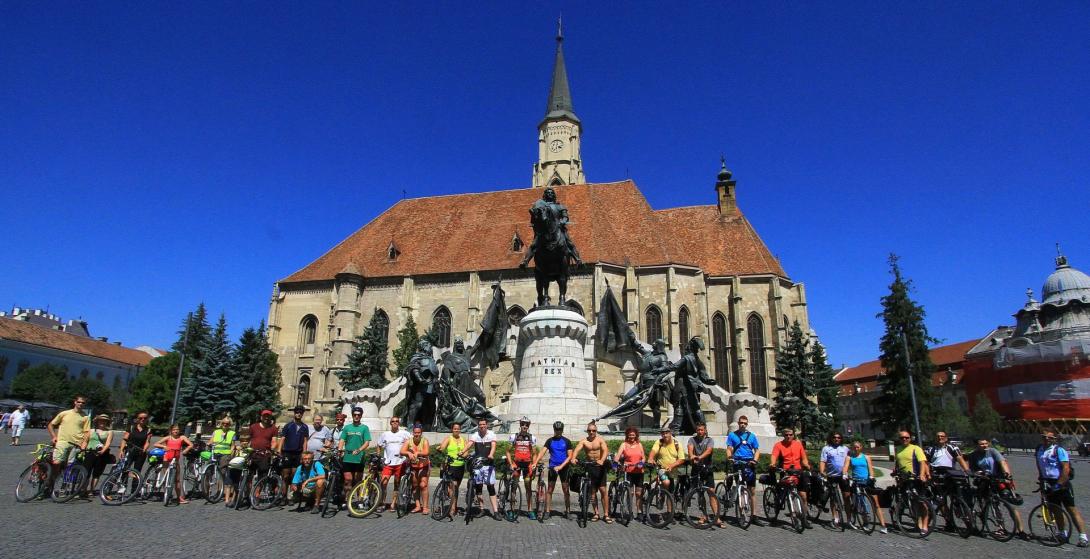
(552,248)
(690,376)
(423,378)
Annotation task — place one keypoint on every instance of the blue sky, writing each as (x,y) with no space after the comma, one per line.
(155,155)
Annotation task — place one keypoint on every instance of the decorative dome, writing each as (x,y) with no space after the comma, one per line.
(1065,284)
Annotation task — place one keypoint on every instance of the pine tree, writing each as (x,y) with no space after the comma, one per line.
(258,371)
(825,387)
(212,385)
(367,364)
(985,421)
(904,316)
(153,388)
(794,405)
(407,338)
(199,332)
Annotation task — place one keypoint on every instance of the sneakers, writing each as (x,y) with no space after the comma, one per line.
(315,510)
(883,530)
(532,515)
(1083,542)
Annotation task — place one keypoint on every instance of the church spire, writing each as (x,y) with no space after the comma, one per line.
(559,104)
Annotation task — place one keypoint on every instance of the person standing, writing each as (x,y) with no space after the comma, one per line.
(911,459)
(319,438)
(561,451)
(98,443)
(291,443)
(743,450)
(833,455)
(263,442)
(523,444)
(18,420)
(789,454)
(630,455)
(858,466)
(484,477)
(453,446)
(989,461)
(597,453)
(176,446)
(1054,466)
(68,433)
(393,462)
(5,420)
(416,452)
(223,443)
(354,440)
(700,453)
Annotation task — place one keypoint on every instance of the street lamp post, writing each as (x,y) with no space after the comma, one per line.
(181,364)
(911,385)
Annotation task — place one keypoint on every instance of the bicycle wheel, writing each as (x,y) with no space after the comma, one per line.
(584,502)
(696,506)
(404,496)
(168,490)
(31,482)
(191,479)
(743,513)
(242,492)
(815,506)
(624,511)
(329,499)
(796,512)
(658,506)
(837,510)
(212,484)
(266,491)
(119,487)
(1050,524)
(999,520)
(906,512)
(725,496)
(363,499)
(863,514)
(963,517)
(440,500)
(471,495)
(70,483)
(514,500)
(769,504)
(541,503)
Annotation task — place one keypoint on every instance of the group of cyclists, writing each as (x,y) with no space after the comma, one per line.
(316,459)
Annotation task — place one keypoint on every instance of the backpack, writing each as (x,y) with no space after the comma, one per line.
(743,441)
(1055,453)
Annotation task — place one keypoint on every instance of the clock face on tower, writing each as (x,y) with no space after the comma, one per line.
(555,146)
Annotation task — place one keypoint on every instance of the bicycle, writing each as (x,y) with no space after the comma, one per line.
(733,492)
(658,502)
(122,484)
(267,490)
(586,493)
(826,493)
(996,515)
(479,475)
(860,508)
(364,498)
(621,494)
(168,485)
(334,483)
(244,492)
(946,494)
(509,493)
(909,505)
(1049,523)
(72,480)
(404,488)
(153,480)
(541,497)
(700,503)
(784,494)
(35,478)
(200,470)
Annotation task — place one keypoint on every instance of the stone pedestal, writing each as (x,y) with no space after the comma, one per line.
(552,379)
(756,409)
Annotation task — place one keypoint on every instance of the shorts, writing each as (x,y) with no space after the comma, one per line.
(393,470)
(456,473)
(352,467)
(636,478)
(65,452)
(1063,495)
(223,460)
(562,474)
(523,468)
(420,466)
(16,430)
(486,475)
(290,460)
(749,473)
(839,481)
(597,475)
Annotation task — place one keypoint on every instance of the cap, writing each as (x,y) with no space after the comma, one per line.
(559,425)
(102,417)
(266,412)
(299,409)
(524,419)
(340,416)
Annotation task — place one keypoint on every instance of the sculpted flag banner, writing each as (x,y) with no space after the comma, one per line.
(613,332)
(490,344)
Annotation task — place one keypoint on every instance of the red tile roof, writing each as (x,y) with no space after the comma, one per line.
(25,332)
(610,222)
(941,357)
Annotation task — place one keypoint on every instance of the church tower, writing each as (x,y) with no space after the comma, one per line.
(558,135)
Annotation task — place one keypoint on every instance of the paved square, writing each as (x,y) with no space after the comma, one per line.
(90,529)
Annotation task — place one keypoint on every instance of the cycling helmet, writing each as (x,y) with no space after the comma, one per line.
(237,463)
(559,426)
(524,419)
(157,453)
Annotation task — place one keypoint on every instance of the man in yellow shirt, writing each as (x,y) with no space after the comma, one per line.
(668,454)
(911,458)
(69,431)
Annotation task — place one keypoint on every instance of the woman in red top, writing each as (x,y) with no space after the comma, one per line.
(175,445)
(631,455)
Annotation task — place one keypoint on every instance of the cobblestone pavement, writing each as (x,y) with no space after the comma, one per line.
(87,528)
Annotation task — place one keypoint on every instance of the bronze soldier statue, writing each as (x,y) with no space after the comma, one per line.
(690,377)
(651,388)
(422,387)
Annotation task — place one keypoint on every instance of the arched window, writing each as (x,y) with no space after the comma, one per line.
(654,324)
(303,395)
(719,351)
(756,332)
(382,324)
(308,331)
(575,307)
(84,373)
(515,314)
(440,323)
(99,376)
(683,326)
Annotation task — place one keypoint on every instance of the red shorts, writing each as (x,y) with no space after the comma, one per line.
(394,471)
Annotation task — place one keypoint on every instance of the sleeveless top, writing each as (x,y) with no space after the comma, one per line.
(859,469)
(416,447)
(174,448)
(137,437)
(454,449)
(96,440)
(632,455)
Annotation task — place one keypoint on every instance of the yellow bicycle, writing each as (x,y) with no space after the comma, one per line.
(364,498)
(1049,523)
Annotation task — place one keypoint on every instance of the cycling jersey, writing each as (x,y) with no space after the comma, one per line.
(942,456)
(454,451)
(1050,460)
(788,456)
(743,444)
(523,445)
(987,461)
(910,459)
(558,450)
(833,457)
(482,444)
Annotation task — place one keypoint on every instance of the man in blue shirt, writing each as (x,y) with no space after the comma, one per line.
(309,480)
(744,449)
(560,450)
(292,442)
(833,456)
(1054,465)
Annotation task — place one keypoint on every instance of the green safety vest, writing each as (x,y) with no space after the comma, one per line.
(222,444)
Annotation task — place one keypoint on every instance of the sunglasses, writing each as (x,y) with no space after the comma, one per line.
(905,438)
(592,430)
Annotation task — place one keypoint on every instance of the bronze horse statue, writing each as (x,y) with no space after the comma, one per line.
(552,250)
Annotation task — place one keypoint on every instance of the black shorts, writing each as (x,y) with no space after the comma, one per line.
(523,468)
(456,473)
(562,474)
(636,478)
(749,473)
(597,475)
(1065,495)
(352,467)
(290,460)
